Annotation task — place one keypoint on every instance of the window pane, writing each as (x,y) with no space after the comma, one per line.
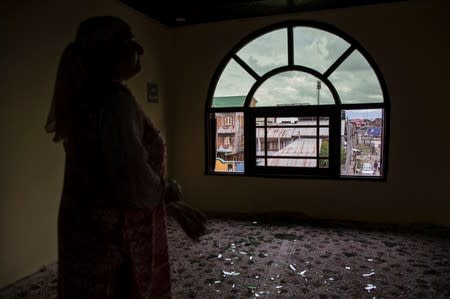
(292,137)
(266,52)
(323,163)
(356,81)
(293,88)
(260,141)
(301,147)
(307,121)
(324,142)
(260,162)
(362,142)
(312,163)
(233,86)
(230,142)
(259,121)
(317,49)
(283,121)
(324,121)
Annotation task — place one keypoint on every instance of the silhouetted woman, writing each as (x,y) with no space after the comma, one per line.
(112,240)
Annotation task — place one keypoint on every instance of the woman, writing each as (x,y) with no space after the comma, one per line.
(112,240)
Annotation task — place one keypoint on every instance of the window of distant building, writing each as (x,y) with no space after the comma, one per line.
(298,99)
(228,121)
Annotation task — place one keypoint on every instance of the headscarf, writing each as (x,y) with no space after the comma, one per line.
(83,61)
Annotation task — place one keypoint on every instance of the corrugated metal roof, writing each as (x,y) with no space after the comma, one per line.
(287,133)
(292,162)
(302,147)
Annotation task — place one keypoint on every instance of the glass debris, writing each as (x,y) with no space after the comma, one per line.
(368,274)
(231,273)
(292,267)
(370,287)
(370,260)
(303,272)
(219,256)
(348,268)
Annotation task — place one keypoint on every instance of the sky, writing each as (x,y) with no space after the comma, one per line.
(354,80)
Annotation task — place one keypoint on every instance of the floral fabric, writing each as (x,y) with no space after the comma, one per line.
(112,240)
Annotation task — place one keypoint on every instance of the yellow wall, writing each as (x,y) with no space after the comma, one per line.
(33,35)
(410,43)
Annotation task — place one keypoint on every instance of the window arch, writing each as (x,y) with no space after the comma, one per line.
(298,99)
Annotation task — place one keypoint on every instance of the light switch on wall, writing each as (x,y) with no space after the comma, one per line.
(152,92)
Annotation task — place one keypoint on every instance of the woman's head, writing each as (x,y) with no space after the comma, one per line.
(103,50)
(107,49)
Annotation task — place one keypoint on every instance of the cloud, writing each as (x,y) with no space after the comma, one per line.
(317,49)
(266,52)
(354,80)
(293,87)
(234,81)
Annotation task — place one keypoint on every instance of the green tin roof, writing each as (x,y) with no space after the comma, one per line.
(230,101)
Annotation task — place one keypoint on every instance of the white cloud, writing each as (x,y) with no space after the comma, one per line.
(354,79)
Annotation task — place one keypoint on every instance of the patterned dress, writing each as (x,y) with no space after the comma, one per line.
(112,240)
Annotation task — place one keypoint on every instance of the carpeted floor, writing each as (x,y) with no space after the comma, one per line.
(260,259)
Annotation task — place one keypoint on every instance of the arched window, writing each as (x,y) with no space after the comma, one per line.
(298,99)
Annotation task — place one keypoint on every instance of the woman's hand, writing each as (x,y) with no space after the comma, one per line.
(173,192)
(191,220)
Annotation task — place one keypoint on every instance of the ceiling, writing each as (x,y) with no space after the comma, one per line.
(175,13)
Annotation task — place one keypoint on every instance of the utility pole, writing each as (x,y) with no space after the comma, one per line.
(319,86)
